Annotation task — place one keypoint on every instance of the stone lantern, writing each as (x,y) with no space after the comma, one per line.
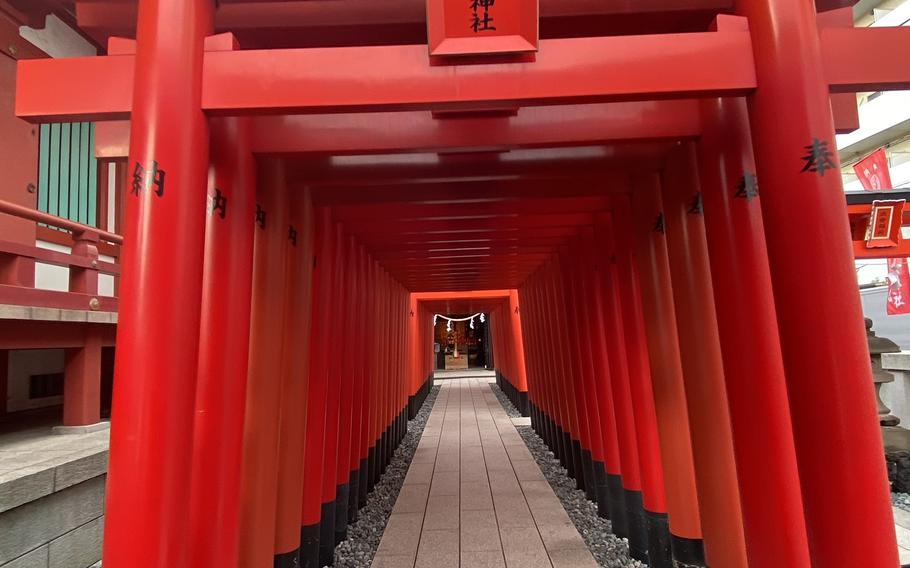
(895,437)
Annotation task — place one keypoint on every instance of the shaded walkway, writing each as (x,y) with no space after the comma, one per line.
(474,496)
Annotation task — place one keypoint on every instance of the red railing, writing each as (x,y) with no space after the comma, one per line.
(17,260)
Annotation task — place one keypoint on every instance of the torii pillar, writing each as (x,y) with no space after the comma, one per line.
(148,486)
(838,442)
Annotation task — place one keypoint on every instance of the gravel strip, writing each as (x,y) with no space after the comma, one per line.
(609,550)
(364,535)
(901,501)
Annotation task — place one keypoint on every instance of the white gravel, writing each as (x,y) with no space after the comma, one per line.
(901,501)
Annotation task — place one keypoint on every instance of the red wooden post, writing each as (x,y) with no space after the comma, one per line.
(318,389)
(295,361)
(85,280)
(369,410)
(348,350)
(666,372)
(844,482)
(622,391)
(81,381)
(223,347)
(259,481)
(709,415)
(148,483)
(573,434)
(332,406)
(596,483)
(571,352)
(358,407)
(4,380)
(560,381)
(652,476)
(775,529)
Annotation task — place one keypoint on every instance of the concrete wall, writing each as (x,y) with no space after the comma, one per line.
(53,516)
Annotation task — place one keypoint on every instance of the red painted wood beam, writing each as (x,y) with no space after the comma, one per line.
(457,236)
(48,334)
(493,224)
(285,81)
(378,132)
(427,254)
(399,78)
(366,22)
(413,211)
(22,296)
(453,192)
(420,131)
(849,67)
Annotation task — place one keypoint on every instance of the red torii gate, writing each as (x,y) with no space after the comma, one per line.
(785,67)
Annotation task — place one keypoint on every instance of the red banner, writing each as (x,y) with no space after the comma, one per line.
(898,287)
(873,172)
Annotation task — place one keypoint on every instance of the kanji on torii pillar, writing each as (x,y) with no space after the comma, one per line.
(780,61)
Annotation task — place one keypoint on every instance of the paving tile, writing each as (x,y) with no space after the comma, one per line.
(560,536)
(572,558)
(479,531)
(428,442)
(419,473)
(904,555)
(497,462)
(504,482)
(512,511)
(484,559)
(424,455)
(527,470)
(448,461)
(402,534)
(412,498)
(523,548)
(444,482)
(438,549)
(901,517)
(442,513)
(518,452)
(476,496)
(393,561)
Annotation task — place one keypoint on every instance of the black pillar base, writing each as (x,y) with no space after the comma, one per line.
(590,485)
(687,552)
(659,555)
(383,449)
(354,495)
(566,453)
(287,559)
(602,491)
(327,535)
(363,484)
(372,469)
(309,546)
(342,496)
(638,532)
(523,404)
(617,506)
(579,468)
(519,399)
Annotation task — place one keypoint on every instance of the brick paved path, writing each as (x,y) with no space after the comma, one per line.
(474,496)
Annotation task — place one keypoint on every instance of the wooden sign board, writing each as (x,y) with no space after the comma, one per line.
(885,224)
(481,27)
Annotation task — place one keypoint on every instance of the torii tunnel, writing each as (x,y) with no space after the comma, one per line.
(307,188)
